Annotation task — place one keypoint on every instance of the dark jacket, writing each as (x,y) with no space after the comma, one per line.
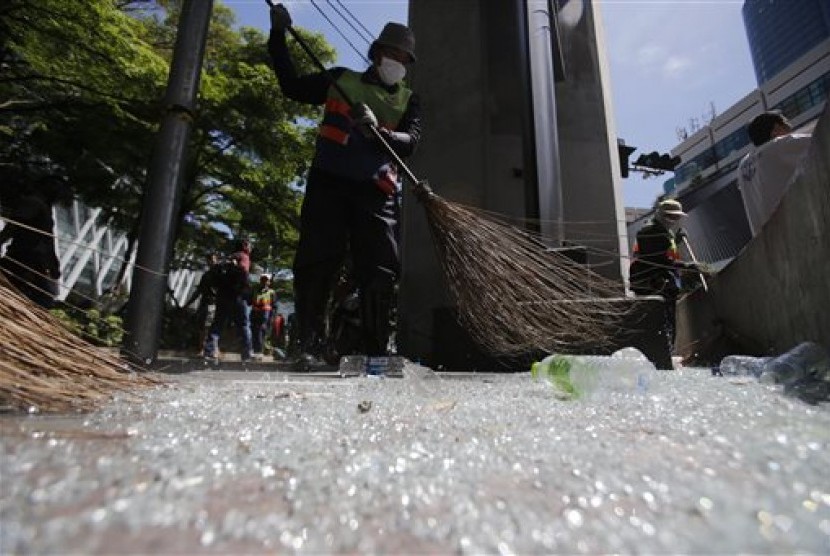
(208,284)
(655,266)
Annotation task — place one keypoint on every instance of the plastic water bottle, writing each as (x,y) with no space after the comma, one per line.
(633,370)
(807,359)
(743,365)
(626,371)
(364,365)
(566,374)
(377,366)
(352,365)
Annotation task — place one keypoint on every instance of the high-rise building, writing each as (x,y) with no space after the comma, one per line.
(781,31)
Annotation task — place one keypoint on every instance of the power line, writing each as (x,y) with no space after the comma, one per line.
(366,35)
(339,32)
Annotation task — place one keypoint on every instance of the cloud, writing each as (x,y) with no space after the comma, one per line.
(650,55)
(674,66)
(656,60)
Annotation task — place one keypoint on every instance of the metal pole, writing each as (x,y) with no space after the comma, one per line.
(694,260)
(530,167)
(163,194)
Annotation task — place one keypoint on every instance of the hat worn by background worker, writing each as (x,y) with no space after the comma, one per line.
(670,209)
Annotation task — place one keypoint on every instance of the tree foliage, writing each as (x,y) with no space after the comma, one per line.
(80,98)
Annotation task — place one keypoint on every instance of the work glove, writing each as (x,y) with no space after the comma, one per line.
(395,139)
(700,267)
(680,235)
(706,269)
(386,179)
(280,18)
(363,116)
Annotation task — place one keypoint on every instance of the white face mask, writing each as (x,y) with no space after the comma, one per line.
(390,71)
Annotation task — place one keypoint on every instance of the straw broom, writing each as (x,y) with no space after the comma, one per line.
(514,295)
(46,368)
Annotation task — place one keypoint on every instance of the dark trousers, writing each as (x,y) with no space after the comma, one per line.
(230,309)
(647,280)
(670,322)
(260,328)
(339,217)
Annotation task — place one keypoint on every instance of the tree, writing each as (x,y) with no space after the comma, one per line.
(79,94)
(79,98)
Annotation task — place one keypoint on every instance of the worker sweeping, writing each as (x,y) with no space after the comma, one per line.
(656,264)
(352,189)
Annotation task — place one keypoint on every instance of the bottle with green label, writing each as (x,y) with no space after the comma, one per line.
(580,376)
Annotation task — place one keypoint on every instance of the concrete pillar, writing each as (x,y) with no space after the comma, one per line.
(487,124)
(594,212)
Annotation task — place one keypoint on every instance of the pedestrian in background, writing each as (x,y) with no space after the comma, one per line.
(206,292)
(278,331)
(233,298)
(31,264)
(262,308)
(765,173)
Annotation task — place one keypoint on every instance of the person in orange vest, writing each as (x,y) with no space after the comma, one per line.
(352,191)
(656,264)
(261,309)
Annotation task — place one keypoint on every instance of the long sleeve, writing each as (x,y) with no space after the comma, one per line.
(308,89)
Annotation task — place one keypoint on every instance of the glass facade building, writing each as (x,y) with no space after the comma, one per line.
(781,31)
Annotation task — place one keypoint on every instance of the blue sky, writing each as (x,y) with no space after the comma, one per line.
(670,60)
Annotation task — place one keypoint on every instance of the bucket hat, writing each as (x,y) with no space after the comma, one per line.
(397,36)
(671,209)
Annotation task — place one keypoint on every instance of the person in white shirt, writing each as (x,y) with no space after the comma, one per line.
(765,173)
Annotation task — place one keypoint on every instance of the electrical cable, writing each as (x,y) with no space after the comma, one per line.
(82,245)
(366,35)
(339,32)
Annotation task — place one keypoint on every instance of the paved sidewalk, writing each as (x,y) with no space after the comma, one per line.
(239,461)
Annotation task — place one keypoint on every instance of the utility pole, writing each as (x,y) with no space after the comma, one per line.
(163,189)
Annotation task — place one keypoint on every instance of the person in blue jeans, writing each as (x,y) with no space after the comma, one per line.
(232,305)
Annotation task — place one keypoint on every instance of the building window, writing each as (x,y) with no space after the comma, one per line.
(805,98)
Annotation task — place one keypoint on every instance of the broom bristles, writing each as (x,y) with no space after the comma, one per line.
(514,296)
(46,368)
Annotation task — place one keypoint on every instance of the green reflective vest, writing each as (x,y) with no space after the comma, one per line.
(342,149)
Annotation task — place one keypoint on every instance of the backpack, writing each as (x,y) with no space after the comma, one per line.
(231,279)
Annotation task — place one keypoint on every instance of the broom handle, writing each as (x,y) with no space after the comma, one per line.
(694,260)
(389,150)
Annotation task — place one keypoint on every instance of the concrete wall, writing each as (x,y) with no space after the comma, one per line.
(776,292)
